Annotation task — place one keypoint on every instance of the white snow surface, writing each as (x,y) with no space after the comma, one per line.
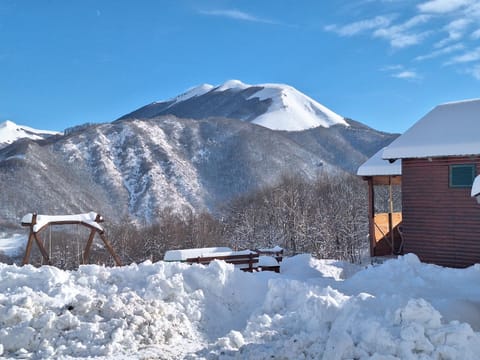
(10,132)
(377,166)
(476,186)
(293,111)
(184,254)
(192,92)
(313,309)
(450,129)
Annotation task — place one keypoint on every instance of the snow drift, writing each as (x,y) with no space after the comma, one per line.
(313,309)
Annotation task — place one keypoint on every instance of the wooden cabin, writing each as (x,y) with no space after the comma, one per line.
(440,157)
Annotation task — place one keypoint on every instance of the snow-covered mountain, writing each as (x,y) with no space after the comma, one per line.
(11,132)
(144,162)
(274,106)
(137,167)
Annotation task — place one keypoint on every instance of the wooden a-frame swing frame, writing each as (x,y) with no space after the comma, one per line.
(34,236)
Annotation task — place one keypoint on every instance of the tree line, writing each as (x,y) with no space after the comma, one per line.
(326,217)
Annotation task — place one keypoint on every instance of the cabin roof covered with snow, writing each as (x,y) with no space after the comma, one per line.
(377,166)
(451,129)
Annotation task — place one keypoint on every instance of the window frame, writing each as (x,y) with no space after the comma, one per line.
(451,168)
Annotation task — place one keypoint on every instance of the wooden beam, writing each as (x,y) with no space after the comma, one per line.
(110,249)
(42,249)
(371,216)
(86,252)
(28,249)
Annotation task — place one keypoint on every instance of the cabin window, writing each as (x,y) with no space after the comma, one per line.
(462,176)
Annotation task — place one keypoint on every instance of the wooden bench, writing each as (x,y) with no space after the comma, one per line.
(276,252)
(246,260)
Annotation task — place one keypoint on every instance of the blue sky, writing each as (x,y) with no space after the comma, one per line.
(382,62)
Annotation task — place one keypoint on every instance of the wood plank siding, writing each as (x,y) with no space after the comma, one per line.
(440,224)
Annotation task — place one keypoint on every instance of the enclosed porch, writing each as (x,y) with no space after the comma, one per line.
(384,205)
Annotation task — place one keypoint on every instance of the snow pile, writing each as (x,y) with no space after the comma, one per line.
(313,309)
(10,132)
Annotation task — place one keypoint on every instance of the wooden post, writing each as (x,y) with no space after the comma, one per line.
(86,252)
(110,249)
(371,216)
(42,249)
(28,249)
(390,214)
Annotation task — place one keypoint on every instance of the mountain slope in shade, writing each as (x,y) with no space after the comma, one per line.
(11,132)
(274,106)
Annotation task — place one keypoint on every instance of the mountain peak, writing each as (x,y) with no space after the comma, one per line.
(232,85)
(274,106)
(11,132)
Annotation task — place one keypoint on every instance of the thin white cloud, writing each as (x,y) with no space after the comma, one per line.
(456,30)
(444,51)
(443,6)
(406,74)
(469,56)
(403,35)
(237,15)
(475,35)
(360,26)
(399,71)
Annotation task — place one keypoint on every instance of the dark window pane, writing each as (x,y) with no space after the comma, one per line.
(462,175)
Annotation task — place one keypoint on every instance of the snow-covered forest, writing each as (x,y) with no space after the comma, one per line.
(326,218)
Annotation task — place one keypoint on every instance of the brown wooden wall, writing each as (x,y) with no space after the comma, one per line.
(440,224)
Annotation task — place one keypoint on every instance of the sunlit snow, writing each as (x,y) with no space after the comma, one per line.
(10,132)
(313,309)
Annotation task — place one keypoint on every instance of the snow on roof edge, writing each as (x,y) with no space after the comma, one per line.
(377,166)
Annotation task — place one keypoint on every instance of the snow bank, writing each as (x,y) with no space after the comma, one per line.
(314,309)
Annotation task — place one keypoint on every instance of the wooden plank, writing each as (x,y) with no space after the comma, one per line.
(86,252)
(28,249)
(42,249)
(109,247)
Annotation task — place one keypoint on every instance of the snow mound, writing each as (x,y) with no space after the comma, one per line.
(402,309)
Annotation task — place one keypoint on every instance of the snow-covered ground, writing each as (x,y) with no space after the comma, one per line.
(313,309)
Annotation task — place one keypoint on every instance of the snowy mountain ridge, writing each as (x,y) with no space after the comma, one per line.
(136,167)
(274,106)
(11,132)
(196,151)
